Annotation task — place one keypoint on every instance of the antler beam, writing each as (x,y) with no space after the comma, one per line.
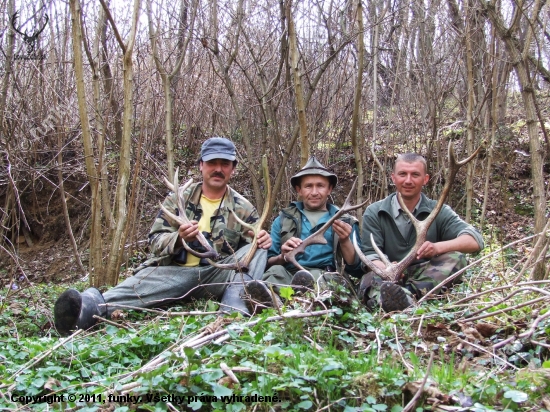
(182,218)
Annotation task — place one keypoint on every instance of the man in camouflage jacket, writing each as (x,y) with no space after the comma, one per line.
(173,273)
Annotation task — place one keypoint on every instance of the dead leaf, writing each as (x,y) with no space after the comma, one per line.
(227,382)
(119,315)
(52,384)
(486,329)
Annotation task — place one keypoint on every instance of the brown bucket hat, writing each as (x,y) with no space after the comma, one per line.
(313,167)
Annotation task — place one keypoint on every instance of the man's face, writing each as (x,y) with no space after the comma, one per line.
(409,179)
(314,191)
(216,173)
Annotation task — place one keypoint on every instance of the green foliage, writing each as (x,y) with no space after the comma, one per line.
(358,361)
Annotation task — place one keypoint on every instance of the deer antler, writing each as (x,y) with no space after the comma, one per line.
(242,265)
(25,35)
(182,218)
(318,237)
(393,271)
(13,20)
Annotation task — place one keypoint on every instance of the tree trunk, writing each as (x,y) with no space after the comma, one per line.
(358,144)
(96,246)
(121,206)
(521,67)
(298,89)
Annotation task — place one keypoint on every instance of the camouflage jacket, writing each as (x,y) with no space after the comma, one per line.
(228,234)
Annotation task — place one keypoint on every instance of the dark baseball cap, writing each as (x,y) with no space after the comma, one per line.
(218,148)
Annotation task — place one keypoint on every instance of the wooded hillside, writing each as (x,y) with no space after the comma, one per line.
(101,100)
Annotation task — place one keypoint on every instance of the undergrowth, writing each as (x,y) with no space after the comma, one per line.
(348,359)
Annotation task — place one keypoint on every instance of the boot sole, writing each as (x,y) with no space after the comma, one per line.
(66,311)
(393,298)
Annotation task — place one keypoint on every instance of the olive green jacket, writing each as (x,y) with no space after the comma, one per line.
(379,221)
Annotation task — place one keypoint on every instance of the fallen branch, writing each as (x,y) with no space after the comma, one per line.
(412,403)
(204,338)
(229,372)
(461,271)
(501,311)
(38,359)
(110,322)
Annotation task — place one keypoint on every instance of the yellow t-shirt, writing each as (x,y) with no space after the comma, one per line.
(209,207)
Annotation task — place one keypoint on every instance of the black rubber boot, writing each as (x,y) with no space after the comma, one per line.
(74,310)
(393,297)
(260,297)
(232,300)
(302,281)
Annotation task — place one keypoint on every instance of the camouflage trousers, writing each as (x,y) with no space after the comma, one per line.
(421,278)
(158,285)
(279,276)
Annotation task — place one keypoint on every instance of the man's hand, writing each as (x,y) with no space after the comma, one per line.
(189,231)
(464,243)
(428,250)
(290,244)
(264,240)
(342,230)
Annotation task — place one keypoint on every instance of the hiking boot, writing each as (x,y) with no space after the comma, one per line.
(393,297)
(74,310)
(302,281)
(259,297)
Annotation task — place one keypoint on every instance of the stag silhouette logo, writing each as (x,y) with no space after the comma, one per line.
(29,39)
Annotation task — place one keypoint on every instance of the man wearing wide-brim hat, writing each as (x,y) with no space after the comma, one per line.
(313,184)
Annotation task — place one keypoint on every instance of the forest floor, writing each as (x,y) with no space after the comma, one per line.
(477,348)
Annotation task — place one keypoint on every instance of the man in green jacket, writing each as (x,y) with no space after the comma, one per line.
(441,255)
(173,273)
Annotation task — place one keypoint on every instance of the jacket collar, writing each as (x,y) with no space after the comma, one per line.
(196,191)
(425,205)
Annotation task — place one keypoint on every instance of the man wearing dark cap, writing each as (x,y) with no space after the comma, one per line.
(173,273)
(313,184)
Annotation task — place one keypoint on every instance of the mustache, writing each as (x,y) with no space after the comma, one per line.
(218,174)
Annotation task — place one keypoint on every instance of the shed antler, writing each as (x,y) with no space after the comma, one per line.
(211,255)
(318,237)
(182,218)
(242,265)
(393,271)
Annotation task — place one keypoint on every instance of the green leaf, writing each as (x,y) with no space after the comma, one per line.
(39,383)
(516,396)
(220,390)
(546,364)
(286,292)
(195,405)
(305,405)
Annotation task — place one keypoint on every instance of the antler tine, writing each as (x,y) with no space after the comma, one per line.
(317,237)
(368,262)
(44,26)
(182,217)
(243,264)
(13,20)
